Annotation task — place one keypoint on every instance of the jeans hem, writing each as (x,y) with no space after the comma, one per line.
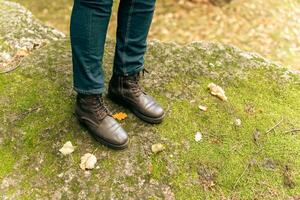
(90,91)
(128,73)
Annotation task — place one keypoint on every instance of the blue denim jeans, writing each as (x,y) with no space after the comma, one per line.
(89,23)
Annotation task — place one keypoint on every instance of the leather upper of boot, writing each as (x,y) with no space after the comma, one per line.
(128,89)
(92,111)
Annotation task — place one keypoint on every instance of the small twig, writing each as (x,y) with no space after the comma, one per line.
(240,177)
(32,110)
(95,150)
(22,115)
(293,130)
(272,128)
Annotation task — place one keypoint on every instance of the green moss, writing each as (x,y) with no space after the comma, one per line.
(235,147)
(225,148)
(7,160)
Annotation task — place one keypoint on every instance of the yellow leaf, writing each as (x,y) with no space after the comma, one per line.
(120,116)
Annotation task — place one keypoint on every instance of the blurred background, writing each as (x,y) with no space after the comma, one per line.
(269,27)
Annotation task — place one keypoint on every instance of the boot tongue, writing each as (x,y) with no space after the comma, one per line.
(101,109)
(134,84)
(97,102)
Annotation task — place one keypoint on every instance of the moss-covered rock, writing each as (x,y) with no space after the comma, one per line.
(235,162)
(21,31)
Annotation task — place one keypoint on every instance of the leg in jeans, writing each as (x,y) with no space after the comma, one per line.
(89,24)
(134,20)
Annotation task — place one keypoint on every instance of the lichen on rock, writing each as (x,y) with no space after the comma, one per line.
(20,30)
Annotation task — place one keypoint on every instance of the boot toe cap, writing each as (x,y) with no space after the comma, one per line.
(156,111)
(120,136)
(112,133)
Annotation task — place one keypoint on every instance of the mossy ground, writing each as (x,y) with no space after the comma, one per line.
(36,106)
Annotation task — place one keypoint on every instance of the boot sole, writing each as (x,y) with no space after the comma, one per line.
(101,140)
(143,117)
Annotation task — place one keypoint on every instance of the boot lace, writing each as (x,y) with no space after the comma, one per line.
(101,109)
(135,87)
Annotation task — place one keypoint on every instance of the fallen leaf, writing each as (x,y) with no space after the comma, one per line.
(88,161)
(120,116)
(22,53)
(67,148)
(217,91)
(203,108)
(215,141)
(198,136)
(156,148)
(238,122)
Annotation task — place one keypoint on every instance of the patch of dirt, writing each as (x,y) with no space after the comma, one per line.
(288,177)
(207,177)
(269,164)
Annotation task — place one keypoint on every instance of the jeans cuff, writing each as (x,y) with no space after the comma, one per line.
(121,72)
(90,91)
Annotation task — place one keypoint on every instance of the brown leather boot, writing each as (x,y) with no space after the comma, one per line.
(126,91)
(91,111)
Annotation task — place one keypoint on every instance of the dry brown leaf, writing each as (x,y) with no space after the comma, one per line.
(67,148)
(203,108)
(217,91)
(156,148)
(120,116)
(88,161)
